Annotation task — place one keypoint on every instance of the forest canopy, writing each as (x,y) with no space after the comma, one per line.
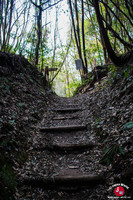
(99,32)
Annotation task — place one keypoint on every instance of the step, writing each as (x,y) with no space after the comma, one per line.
(3,136)
(72,105)
(67,180)
(70,146)
(66,109)
(64,117)
(63,128)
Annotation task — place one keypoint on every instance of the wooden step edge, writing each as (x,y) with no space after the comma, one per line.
(65,109)
(64,117)
(66,147)
(3,136)
(70,147)
(65,181)
(72,104)
(63,128)
(67,105)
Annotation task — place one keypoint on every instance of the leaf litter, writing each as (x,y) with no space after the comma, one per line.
(107,112)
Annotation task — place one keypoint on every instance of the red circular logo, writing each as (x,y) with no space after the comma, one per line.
(119,191)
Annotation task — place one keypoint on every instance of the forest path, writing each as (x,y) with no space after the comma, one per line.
(64,156)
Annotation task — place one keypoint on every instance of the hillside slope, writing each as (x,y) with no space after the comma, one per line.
(23,100)
(110,102)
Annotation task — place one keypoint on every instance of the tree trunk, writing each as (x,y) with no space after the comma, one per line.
(119,20)
(83,37)
(39,18)
(95,34)
(119,61)
(10,22)
(77,34)
(0,21)
(67,81)
(105,55)
(3,46)
(55,38)
(128,8)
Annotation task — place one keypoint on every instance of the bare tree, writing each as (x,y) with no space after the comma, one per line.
(6,14)
(41,6)
(12,29)
(55,38)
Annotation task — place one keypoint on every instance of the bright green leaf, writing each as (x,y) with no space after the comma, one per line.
(6,80)
(12,121)
(128,125)
(21,104)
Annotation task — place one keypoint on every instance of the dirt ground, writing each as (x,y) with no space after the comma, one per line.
(104,119)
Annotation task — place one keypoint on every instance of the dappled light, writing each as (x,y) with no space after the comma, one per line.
(67,82)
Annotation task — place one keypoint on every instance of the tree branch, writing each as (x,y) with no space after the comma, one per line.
(38,6)
(122,12)
(52,5)
(63,59)
(128,8)
(126,44)
(117,60)
(117,19)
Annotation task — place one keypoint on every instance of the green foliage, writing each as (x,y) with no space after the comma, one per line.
(127,71)
(110,153)
(1,120)
(74,86)
(97,121)
(42,91)
(7,88)
(114,75)
(128,125)
(64,87)
(6,80)
(30,79)
(98,126)
(5,85)
(112,69)
(12,121)
(21,104)
(43,102)
(31,41)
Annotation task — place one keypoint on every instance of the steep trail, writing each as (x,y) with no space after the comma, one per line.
(63,161)
(44,155)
